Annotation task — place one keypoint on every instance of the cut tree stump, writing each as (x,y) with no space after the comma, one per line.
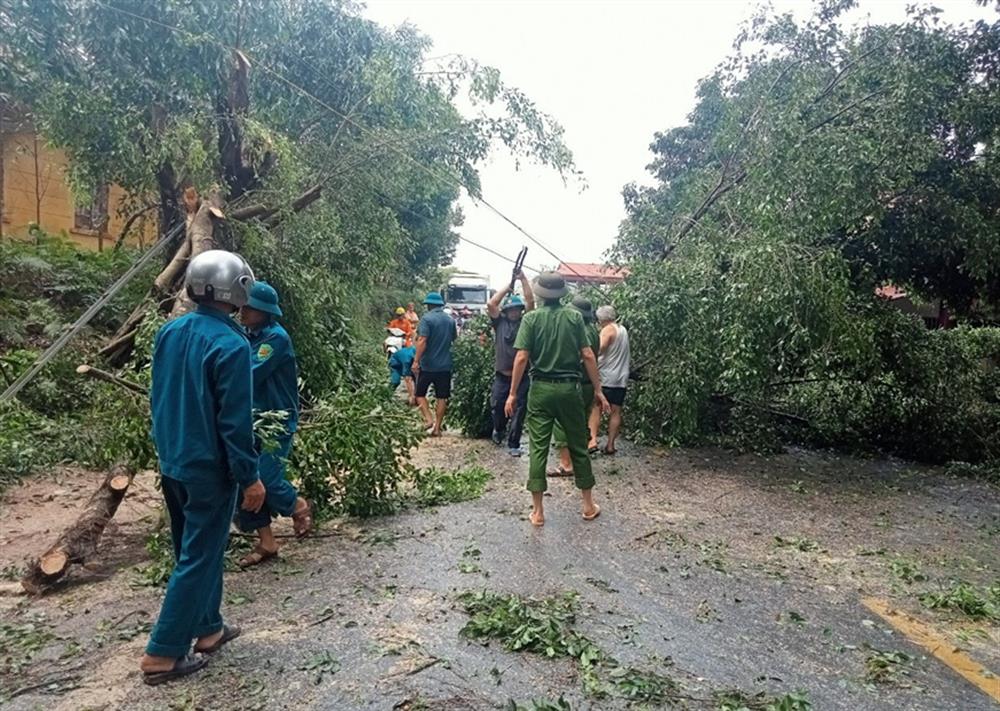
(78,543)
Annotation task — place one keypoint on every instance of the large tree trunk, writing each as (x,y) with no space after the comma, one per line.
(78,543)
(200,238)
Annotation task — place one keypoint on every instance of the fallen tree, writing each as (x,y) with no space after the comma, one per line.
(78,543)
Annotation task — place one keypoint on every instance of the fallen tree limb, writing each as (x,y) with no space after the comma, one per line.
(78,543)
(107,377)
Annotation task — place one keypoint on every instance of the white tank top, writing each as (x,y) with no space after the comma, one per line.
(614,363)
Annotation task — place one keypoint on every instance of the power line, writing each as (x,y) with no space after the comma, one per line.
(396,206)
(433,172)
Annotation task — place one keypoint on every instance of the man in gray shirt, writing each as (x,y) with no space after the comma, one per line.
(613,362)
(506,321)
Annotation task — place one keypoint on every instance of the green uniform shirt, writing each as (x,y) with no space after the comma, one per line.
(594,341)
(553,336)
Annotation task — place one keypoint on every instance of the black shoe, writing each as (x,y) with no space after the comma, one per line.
(497,437)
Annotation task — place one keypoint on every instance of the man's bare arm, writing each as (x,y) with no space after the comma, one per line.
(590,365)
(493,305)
(520,365)
(529,295)
(421,347)
(608,334)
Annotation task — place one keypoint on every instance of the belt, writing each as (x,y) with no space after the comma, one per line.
(566,379)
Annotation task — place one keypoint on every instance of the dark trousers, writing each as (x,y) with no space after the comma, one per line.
(501,391)
(200,513)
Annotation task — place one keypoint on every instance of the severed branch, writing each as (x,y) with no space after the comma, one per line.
(107,377)
(300,203)
(268,213)
(78,543)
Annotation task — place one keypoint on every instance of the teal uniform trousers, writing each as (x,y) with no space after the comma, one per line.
(203,429)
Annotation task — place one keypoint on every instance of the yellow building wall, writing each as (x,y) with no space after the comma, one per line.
(49,201)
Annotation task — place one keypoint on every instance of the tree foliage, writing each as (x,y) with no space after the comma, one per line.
(820,162)
(334,148)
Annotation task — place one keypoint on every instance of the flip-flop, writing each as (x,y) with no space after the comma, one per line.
(560,471)
(186,665)
(609,452)
(228,635)
(591,517)
(593,450)
(262,555)
(531,517)
(302,520)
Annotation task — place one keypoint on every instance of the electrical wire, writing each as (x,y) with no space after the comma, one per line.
(57,345)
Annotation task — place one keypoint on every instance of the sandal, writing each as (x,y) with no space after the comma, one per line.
(609,452)
(188,664)
(228,635)
(258,555)
(595,514)
(560,471)
(534,521)
(302,520)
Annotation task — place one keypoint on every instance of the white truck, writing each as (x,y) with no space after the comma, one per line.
(467,290)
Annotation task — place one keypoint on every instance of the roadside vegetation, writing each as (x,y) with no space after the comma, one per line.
(334,150)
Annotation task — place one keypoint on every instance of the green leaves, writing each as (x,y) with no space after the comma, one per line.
(434,487)
(819,163)
(960,596)
(352,451)
(469,406)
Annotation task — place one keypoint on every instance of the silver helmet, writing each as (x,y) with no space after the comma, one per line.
(221,276)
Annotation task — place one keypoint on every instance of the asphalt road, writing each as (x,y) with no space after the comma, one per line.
(719,571)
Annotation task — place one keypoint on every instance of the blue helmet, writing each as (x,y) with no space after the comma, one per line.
(514,302)
(434,298)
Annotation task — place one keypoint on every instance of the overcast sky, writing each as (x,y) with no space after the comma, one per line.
(612,73)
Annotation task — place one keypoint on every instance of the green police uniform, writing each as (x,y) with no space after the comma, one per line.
(586,387)
(553,337)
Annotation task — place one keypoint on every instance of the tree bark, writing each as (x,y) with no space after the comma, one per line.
(107,377)
(78,543)
(201,238)
(164,281)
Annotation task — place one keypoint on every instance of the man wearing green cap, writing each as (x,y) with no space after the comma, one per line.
(506,320)
(565,467)
(432,363)
(275,387)
(553,338)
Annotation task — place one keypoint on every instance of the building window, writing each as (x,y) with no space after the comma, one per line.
(92,216)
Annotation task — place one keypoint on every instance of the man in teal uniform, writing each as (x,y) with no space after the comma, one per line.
(554,340)
(565,468)
(275,387)
(203,430)
(432,361)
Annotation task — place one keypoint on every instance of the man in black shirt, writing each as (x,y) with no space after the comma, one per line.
(506,321)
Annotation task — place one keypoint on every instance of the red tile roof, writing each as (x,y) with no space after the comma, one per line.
(597,273)
(890,292)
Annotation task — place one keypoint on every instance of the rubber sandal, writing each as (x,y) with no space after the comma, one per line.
(302,521)
(262,555)
(591,517)
(228,635)
(593,450)
(185,666)
(537,524)
(609,452)
(559,471)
